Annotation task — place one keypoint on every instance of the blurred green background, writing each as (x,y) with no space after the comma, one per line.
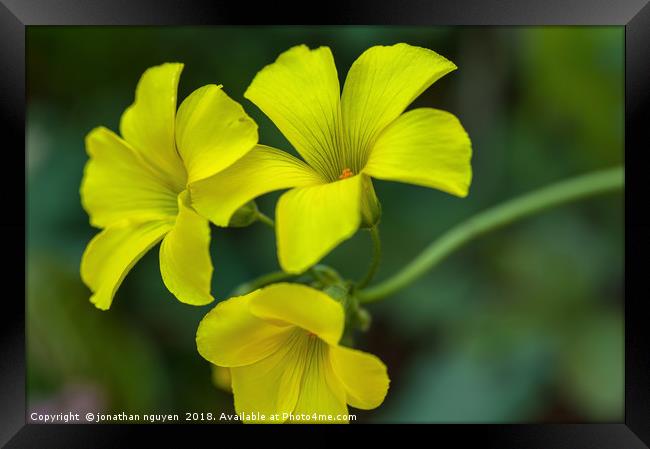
(523,325)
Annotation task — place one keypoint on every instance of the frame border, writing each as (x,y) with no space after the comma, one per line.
(15,15)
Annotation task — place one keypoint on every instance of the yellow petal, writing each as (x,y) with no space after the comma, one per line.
(229,335)
(148,124)
(426,147)
(272,385)
(185,262)
(300,93)
(301,306)
(364,376)
(212,132)
(381,83)
(311,221)
(110,255)
(262,170)
(322,395)
(118,185)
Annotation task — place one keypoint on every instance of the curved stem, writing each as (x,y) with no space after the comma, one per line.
(265,219)
(563,192)
(315,274)
(376,257)
(269,278)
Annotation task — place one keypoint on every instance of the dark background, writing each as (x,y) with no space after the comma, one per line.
(522,325)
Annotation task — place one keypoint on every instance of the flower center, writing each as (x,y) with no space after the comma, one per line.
(346,173)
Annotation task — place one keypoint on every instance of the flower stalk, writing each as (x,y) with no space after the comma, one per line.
(262,281)
(268,221)
(376,257)
(563,192)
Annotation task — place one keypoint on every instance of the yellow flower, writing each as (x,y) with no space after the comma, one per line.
(344,140)
(135,186)
(281,344)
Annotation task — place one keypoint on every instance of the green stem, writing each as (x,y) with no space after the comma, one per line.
(265,219)
(563,192)
(376,257)
(315,275)
(269,278)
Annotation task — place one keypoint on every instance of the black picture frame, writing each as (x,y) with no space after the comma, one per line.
(634,15)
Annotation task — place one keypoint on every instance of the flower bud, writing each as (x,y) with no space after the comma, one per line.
(370,206)
(244,216)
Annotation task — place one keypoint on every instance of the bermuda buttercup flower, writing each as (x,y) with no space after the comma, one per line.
(344,139)
(135,187)
(281,344)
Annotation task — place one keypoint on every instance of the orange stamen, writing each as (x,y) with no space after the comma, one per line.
(346,173)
